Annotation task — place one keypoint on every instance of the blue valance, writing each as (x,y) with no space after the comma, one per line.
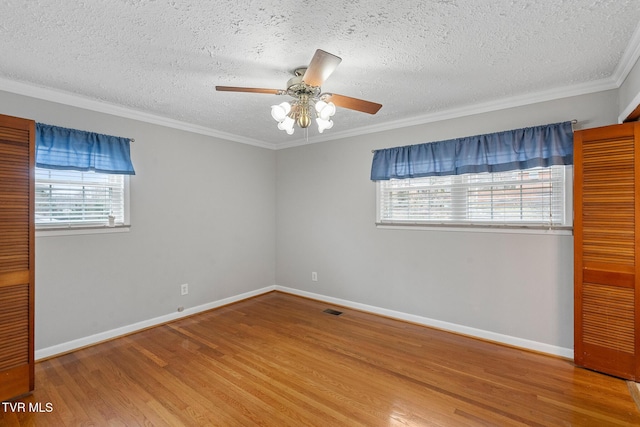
(72,149)
(539,146)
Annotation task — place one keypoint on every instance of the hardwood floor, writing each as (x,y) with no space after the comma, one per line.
(279,360)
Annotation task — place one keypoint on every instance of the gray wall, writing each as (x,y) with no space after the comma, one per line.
(202,212)
(228,218)
(629,92)
(520,285)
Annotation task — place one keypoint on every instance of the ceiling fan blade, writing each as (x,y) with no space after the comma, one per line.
(320,68)
(250,89)
(352,103)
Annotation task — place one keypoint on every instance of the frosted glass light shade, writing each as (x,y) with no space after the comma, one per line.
(286,124)
(324,124)
(280,111)
(325,110)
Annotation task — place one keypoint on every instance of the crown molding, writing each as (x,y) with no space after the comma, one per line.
(455,113)
(67,98)
(629,58)
(74,100)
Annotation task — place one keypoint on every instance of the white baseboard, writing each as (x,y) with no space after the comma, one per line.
(452,327)
(124,330)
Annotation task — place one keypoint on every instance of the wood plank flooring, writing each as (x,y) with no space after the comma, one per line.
(278,360)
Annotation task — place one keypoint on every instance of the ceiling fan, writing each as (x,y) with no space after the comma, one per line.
(309,102)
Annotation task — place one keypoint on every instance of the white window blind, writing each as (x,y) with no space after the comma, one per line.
(531,197)
(66,198)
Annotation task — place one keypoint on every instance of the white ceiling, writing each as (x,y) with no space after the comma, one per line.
(421,59)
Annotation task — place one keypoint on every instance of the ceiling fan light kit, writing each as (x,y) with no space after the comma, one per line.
(301,113)
(309,102)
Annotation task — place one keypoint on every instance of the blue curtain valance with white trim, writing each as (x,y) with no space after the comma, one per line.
(72,149)
(539,146)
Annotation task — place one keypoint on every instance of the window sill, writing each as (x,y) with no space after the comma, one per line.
(478,228)
(70,231)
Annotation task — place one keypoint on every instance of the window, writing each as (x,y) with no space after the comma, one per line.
(538,197)
(82,181)
(516,178)
(69,198)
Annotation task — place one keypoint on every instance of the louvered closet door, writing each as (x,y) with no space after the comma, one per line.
(16,256)
(606,231)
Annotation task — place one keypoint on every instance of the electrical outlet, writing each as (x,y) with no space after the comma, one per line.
(314,276)
(184,289)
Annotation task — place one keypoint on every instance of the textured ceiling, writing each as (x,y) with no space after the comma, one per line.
(417,58)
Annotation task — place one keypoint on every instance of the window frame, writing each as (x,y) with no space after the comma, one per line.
(69,228)
(566,228)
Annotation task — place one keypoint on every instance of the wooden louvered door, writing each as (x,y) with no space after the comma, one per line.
(17,149)
(606,235)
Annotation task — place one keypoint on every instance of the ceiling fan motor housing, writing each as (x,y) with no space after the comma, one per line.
(296,87)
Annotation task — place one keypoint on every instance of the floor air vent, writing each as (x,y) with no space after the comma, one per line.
(334,312)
